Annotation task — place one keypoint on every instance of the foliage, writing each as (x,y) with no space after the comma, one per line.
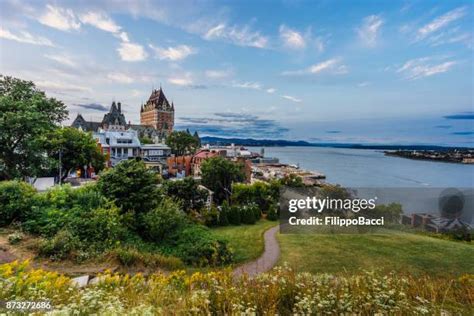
(77,149)
(186,191)
(16,199)
(273,213)
(146,140)
(292,180)
(218,174)
(250,213)
(282,292)
(60,247)
(26,117)
(261,193)
(162,220)
(182,143)
(391,212)
(133,257)
(196,245)
(131,186)
(15,238)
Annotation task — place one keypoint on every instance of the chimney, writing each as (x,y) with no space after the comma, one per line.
(119,107)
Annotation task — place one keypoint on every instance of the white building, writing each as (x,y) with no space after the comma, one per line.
(119,144)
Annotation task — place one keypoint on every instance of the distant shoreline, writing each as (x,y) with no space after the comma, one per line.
(285,143)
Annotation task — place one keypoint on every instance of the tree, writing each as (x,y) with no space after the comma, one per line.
(146,140)
(77,149)
(187,192)
(131,186)
(26,117)
(218,174)
(182,143)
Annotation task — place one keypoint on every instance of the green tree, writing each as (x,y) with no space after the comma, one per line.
(146,140)
(182,143)
(77,149)
(26,117)
(218,174)
(131,186)
(186,191)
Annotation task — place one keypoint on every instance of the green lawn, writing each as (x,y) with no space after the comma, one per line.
(245,240)
(396,251)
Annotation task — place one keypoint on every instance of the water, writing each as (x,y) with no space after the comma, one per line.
(371,168)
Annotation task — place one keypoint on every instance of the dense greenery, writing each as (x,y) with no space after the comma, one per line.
(103,218)
(187,192)
(131,186)
(27,116)
(280,292)
(77,149)
(218,174)
(183,143)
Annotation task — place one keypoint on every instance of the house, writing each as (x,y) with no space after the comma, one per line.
(155,156)
(118,144)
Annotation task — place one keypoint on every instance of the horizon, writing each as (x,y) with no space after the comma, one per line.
(367,72)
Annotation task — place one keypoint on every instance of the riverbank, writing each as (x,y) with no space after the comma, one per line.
(451,156)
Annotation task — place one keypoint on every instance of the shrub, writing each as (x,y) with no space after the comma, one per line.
(196,245)
(15,238)
(132,257)
(16,199)
(223,216)
(131,186)
(248,213)
(212,217)
(187,192)
(162,221)
(233,214)
(260,193)
(272,214)
(60,247)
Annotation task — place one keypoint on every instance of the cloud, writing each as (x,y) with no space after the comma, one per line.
(218,74)
(444,126)
(185,80)
(131,52)
(59,18)
(461,116)
(173,53)
(101,21)
(291,38)
(93,106)
(332,65)
(61,86)
(333,132)
(424,67)
(247,85)
(289,97)
(120,77)
(62,59)
(25,37)
(233,124)
(441,22)
(463,133)
(271,90)
(363,84)
(242,36)
(370,29)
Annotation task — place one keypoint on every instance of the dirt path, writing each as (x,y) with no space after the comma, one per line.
(267,260)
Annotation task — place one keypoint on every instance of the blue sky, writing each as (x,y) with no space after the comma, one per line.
(338,71)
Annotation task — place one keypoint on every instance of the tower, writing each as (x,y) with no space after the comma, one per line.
(158,112)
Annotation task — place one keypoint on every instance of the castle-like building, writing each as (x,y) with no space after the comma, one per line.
(158,112)
(156,118)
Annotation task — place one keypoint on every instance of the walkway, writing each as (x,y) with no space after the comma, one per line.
(267,260)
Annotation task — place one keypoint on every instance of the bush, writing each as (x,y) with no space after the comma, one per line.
(16,199)
(60,247)
(233,214)
(224,216)
(212,217)
(273,213)
(260,193)
(187,192)
(131,186)
(162,221)
(132,257)
(196,245)
(249,213)
(15,238)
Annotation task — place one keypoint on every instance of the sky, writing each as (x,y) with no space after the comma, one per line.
(395,72)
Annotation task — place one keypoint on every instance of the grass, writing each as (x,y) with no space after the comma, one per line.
(394,251)
(245,240)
